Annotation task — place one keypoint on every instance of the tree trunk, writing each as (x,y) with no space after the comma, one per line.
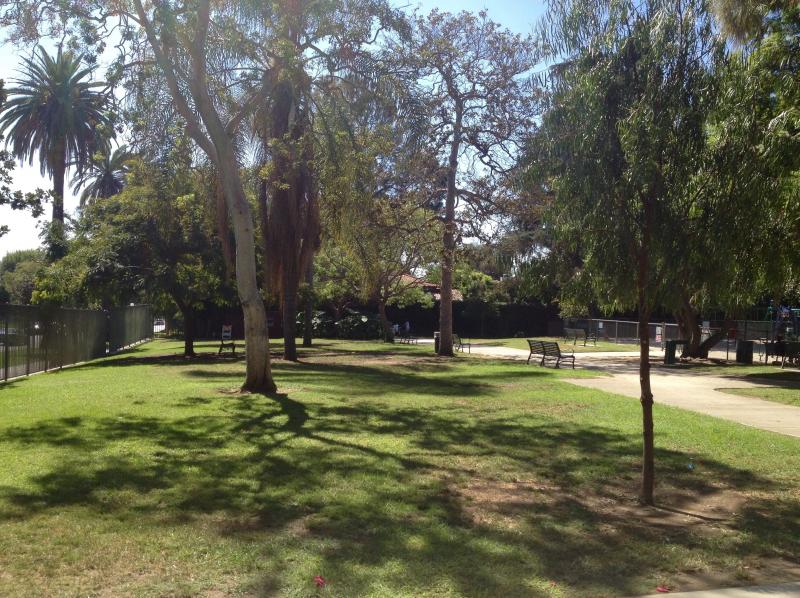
(646,399)
(219,147)
(56,238)
(309,307)
(689,324)
(188,332)
(259,374)
(388,335)
(289,313)
(449,247)
(59,174)
(646,491)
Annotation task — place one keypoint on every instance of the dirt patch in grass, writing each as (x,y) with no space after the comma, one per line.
(681,517)
(764,570)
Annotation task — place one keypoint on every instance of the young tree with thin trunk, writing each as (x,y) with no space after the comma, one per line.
(473,77)
(623,133)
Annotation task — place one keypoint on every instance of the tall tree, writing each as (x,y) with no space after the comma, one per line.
(474,81)
(59,114)
(324,56)
(18,272)
(16,200)
(154,241)
(216,61)
(622,135)
(104,176)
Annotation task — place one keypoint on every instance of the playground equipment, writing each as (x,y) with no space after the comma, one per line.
(785,322)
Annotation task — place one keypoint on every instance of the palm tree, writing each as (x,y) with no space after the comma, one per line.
(104,176)
(55,111)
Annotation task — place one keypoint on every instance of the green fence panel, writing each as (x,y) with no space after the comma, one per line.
(35,339)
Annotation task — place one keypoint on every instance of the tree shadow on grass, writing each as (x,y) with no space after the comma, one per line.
(384,496)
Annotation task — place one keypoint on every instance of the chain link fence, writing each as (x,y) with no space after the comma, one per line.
(627,331)
(37,339)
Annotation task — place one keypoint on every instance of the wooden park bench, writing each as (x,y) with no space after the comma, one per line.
(549,350)
(579,333)
(459,344)
(226,341)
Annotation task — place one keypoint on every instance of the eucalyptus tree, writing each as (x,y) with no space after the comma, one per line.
(219,63)
(474,83)
(56,112)
(621,137)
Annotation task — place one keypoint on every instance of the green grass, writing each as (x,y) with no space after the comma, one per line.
(522,343)
(790,396)
(387,470)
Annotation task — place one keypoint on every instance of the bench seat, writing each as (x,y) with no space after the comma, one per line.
(549,351)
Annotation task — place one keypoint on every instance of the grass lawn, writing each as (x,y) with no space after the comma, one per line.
(385,469)
(790,396)
(522,343)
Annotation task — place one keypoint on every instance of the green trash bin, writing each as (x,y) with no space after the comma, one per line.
(436,342)
(744,352)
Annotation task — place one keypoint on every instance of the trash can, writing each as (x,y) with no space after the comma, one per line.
(436,342)
(744,352)
(669,352)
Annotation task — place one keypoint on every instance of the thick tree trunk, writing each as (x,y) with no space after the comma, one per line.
(59,175)
(217,143)
(289,313)
(259,374)
(56,238)
(309,306)
(189,328)
(449,247)
(388,335)
(689,325)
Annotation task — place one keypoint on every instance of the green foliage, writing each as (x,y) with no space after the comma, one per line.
(623,133)
(18,272)
(153,241)
(359,326)
(104,175)
(55,112)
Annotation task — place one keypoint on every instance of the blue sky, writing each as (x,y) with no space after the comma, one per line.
(518,15)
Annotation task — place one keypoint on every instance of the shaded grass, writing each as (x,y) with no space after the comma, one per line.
(145,475)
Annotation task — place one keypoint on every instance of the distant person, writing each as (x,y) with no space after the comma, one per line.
(407,327)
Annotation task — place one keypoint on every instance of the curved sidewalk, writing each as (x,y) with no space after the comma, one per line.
(679,388)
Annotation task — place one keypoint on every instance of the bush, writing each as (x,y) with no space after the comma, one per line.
(322,325)
(357,326)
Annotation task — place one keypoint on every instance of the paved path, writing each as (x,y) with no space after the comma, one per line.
(783,590)
(694,391)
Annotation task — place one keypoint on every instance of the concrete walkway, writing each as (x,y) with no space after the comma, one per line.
(694,391)
(783,590)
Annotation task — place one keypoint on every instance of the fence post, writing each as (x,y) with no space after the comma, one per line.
(27,346)
(5,349)
(616,332)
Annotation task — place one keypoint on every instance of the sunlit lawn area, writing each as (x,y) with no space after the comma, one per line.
(779,385)
(382,468)
(522,343)
(790,396)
